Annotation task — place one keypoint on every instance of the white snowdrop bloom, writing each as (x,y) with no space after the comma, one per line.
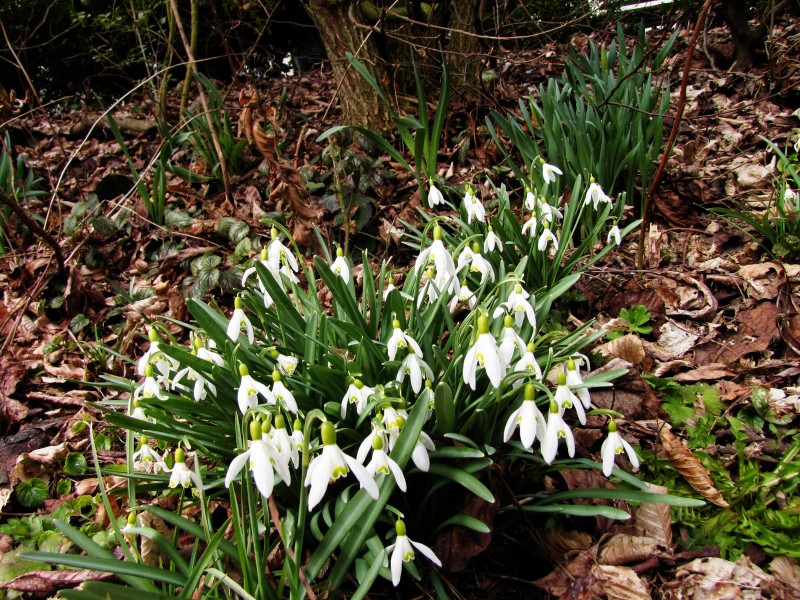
(510,341)
(464,296)
(528,364)
(340,266)
(419,455)
(613,445)
(549,172)
(156,357)
(437,254)
(595,195)
(282,442)
(138,412)
(263,461)
(333,464)
(479,264)
(283,397)
(145,459)
(357,393)
(464,257)
(484,353)
(789,195)
(518,306)
(530,199)
(548,212)
(614,235)
(208,354)
(473,206)
(200,383)
(297,441)
(528,418)
(252,271)
(529,227)
(239,320)
(546,238)
(383,464)
(403,551)
(575,383)
(492,241)
(279,256)
(435,197)
(150,388)
(555,429)
(435,285)
(566,399)
(399,339)
(180,474)
(249,389)
(287,365)
(416,369)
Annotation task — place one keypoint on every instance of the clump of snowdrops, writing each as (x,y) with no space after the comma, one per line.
(345,435)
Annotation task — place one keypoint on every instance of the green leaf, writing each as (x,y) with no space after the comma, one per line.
(13,563)
(75,464)
(581,511)
(464,479)
(32,493)
(178,217)
(110,565)
(64,487)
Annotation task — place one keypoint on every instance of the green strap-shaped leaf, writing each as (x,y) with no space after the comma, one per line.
(464,479)
(128,571)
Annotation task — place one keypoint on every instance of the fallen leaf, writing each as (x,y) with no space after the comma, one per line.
(573,580)
(757,327)
(689,466)
(710,372)
(50,582)
(457,545)
(622,549)
(762,281)
(620,583)
(653,519)
(718,579)
(678,339)
(787,571)
(628,348)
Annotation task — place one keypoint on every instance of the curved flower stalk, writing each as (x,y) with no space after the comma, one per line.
(613,445)
(484,353)
(528,418)
(239,320)
(556,429)
(262,460)
(333,464)
(249,390)
(517,305)
(402,550)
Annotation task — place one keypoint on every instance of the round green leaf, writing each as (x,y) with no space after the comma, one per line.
(64,487)
(75,464)
(32,493)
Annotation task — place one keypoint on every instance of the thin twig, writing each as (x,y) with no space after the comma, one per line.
(37,229)
(648,202)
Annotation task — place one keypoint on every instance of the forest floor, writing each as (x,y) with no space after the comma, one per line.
(725,321)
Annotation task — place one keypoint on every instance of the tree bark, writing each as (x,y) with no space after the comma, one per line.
(361,105)
(465,63)
(746,41)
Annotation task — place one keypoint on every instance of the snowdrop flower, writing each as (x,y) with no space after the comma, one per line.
(510,341)
(464,296)
(388,290)
(382,464)
(547,237)
(280,256)
(614,445)
(150,387)
(377,430)
(272,270)
(262,460)
(138,412)
(464,257)
(575,383)
(517,305)
(566,399)
(435,197)
(155,356)
(287,365)
(419,455)
(614,235)
(399,339)
(239,320)
(200,383)
(797,145)
(403,551)
(528,418)
(340,266)
(435,285)
(282,442)
(556,428)
(393,420)
(595,195)
(249,389)
(146,459)
(789,195)
(492,241)
(207,354)
(528,364)
(281,394)
(549,172)
(180,474)
(548,212)
(473,206)
(484,354)
(529,228)
(530,199)
(357,393)
(333,464)
(478,264)
(297,440)
(415,368)
(439,255)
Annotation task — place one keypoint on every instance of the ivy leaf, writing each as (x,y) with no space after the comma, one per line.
(32,493)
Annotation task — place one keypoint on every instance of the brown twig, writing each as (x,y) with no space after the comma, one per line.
(38,230)
(648,203)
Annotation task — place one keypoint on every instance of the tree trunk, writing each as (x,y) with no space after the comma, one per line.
(360,104)
(746,41)
(465,63)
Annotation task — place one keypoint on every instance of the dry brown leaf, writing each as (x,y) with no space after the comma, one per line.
(556,544)
(49,582)
(718,579)
(678,339)
(620,583)
(710,372)
(573,580)
(33,464)
(654,519)
(622,549)
(787,571)
(629,348)
(763,281)
(757,327)
(689,466)
(151,554)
